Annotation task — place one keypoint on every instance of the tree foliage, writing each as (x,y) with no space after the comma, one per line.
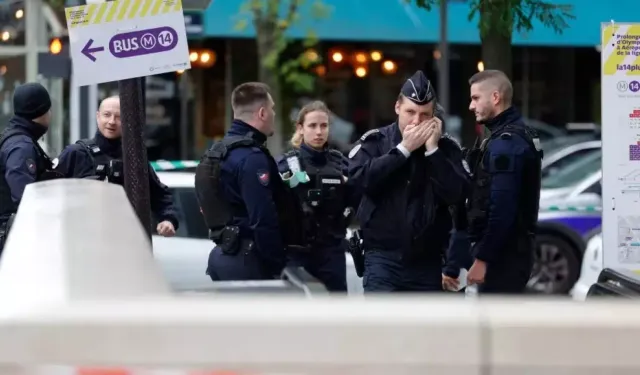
(271,20)
(500,18)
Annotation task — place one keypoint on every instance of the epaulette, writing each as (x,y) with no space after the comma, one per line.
(506,135)
(371,132)
(446,136)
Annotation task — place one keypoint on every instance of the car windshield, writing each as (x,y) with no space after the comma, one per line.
(554,144)
(574,172)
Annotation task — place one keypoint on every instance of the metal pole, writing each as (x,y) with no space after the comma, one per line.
(185,95)
(33,9)
(443,69)
(134,151)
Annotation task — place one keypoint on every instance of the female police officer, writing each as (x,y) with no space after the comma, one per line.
(317,176)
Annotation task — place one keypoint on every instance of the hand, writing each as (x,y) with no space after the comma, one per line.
(432,142)
(449,283)
(166,229)
(477,272)
(415,136)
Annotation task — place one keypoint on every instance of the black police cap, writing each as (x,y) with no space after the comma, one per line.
(418,89)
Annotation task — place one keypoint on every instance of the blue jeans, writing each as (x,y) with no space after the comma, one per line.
(385,271)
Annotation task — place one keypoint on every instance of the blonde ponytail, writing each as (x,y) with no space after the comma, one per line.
(296,139)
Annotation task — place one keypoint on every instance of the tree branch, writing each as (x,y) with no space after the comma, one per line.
(291,14)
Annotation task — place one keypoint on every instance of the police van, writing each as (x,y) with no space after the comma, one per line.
(183,258)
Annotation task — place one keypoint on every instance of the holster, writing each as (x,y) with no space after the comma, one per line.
(229,240)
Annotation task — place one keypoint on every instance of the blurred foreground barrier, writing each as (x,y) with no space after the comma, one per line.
(616,283)
(117,317)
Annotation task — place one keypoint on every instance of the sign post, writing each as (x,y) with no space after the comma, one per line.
(124,41)
(621,145)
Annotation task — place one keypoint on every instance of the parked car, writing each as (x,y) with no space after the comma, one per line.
(554,161)
(183,258)
(592,263)
(564,224)
(568,175)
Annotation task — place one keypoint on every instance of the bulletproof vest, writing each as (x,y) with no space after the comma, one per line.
(104,166)
(478,203)
(218,212)
(43,167)
(322,198)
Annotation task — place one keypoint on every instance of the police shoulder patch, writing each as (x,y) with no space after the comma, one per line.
(371,134)
(263,177)
(31,166)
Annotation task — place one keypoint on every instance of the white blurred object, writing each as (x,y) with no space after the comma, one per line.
(76,239)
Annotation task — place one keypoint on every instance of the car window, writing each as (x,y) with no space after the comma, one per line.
(569,159)
(575,172)
(191,222)
(595,188)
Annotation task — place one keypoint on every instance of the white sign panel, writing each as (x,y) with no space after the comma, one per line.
(124,39)
(621,145)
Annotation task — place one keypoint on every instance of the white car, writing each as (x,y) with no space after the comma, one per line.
(184,257)
(566,167)
(592,261)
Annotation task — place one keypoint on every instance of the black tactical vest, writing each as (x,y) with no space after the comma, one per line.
(43,166)
(218,212)
(478,203)
(322,198)
(104,166)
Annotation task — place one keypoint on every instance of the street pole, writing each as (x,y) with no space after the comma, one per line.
(134,151)
(443,69)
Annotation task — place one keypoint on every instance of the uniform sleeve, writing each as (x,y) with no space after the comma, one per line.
(369,169)
(75,162)
(458,254)
(450,180)
(354,193)
(161,200)
(256,190)
(505,161)
(20,168)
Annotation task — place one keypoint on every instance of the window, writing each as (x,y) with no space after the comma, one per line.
(595,188)
(573,173)
(190,221)
(562,163)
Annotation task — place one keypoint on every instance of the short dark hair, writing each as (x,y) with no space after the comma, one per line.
(247,96)
(498,80)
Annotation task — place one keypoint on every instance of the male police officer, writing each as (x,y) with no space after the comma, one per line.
(503,206)
(241,195)
(22,160)
(410,175)
(101,157)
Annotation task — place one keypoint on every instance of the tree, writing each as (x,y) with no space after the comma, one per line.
(498,20)
(271,19)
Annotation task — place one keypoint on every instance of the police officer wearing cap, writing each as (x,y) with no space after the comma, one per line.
(317,174)
(503,205)
(22,160)
(101,157)
(248,209)
(410,174)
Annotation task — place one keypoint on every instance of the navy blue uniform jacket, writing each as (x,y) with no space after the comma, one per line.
(18,155)
(75,161)
(405,199)
(505,159)
(319,159)
(249,178)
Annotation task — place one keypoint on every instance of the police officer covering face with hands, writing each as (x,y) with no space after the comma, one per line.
(101,157)
(22,160)
(409,174)
(503,206)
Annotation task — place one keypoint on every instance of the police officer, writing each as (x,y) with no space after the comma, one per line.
(410,174)
(503,206)
(101,157)
(317,174)
(241,195)
(22,160)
